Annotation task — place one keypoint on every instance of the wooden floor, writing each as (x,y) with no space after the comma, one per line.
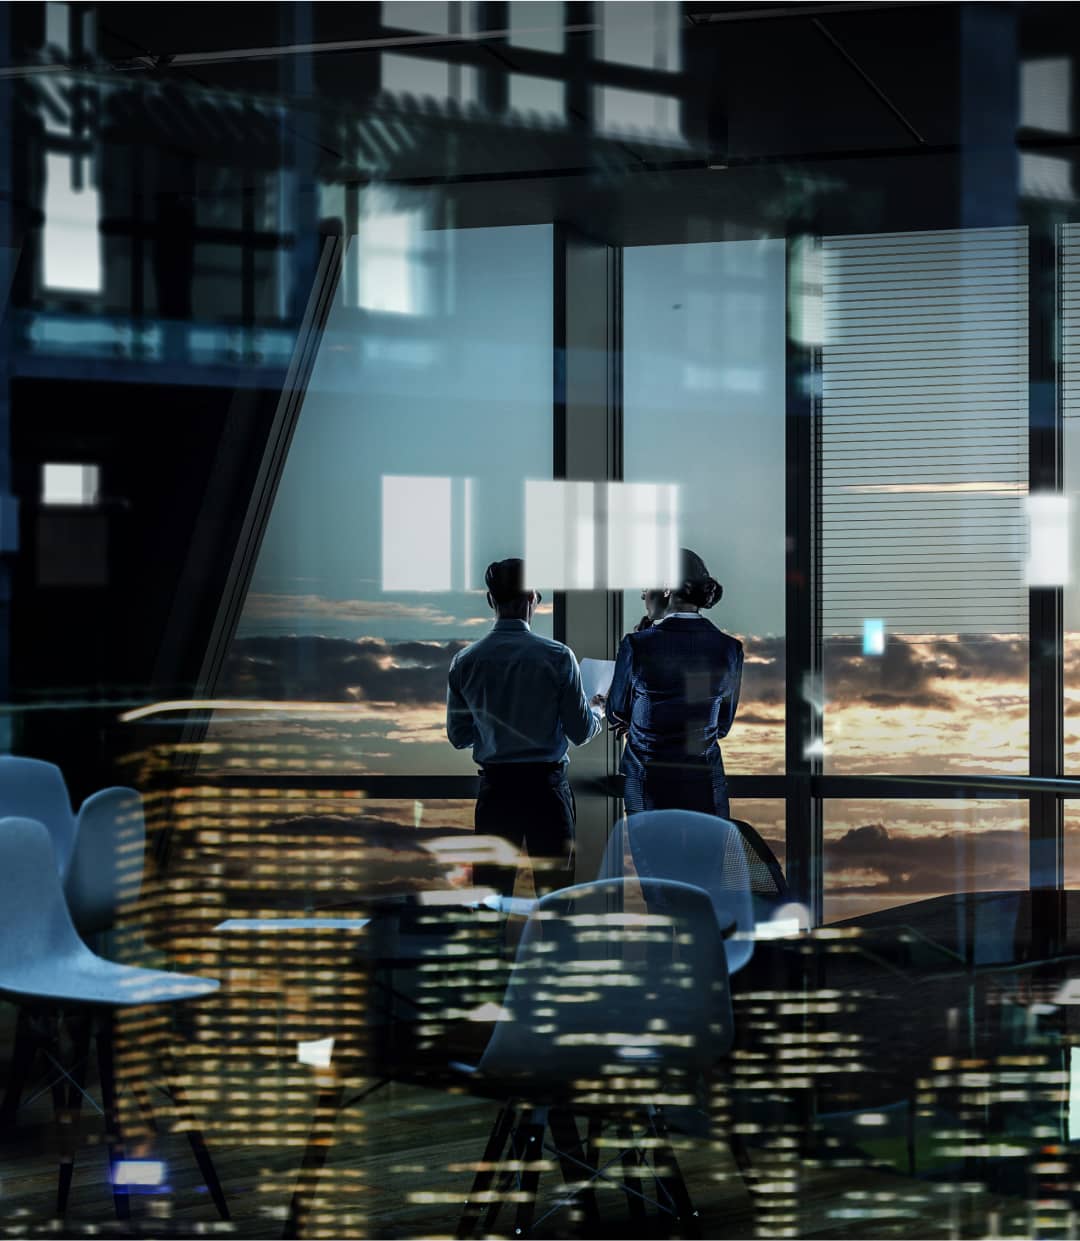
(397,1169)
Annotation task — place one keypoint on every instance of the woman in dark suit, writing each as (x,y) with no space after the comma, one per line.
(674,695)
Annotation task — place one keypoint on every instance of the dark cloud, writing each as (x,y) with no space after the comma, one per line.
(755,717)
(903,862)
(763,671)
(919,674)
(906,675)
(318,669)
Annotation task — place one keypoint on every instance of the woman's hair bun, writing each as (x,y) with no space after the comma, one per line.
(713,593)
(698,587)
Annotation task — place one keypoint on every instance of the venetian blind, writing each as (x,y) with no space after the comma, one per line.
(925,431)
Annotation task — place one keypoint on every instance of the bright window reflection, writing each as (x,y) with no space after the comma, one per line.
(391,257)
(1046,94)
(642,534)
(560,535)
(72,242)
(417,520)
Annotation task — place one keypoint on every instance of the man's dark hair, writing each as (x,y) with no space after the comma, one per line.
(505,580)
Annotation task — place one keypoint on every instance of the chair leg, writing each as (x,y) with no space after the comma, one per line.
(632,1176)
(531,1146)
(670,1177)
(564,1133)
(197,1142)
(742,1159)
(22,1061)
(485,1175)
(114,1141)
(910,1116)
(318,1148)
(68,1115)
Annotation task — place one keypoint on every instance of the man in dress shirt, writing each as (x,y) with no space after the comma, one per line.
(517,700)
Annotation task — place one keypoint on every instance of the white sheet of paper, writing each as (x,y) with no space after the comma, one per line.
(596,676)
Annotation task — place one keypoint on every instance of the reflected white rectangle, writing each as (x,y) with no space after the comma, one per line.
(141,1172)
(560,535)
(72,240)
(1048,562)
(416,533)
(65,482)
(642,535)
(318,1053)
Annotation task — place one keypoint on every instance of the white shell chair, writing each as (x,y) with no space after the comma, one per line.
(44,964)
(31,788)
(106,869)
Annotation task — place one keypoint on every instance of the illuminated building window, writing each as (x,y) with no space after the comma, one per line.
(72,242)
(64,483)
(544,96)
(537,24)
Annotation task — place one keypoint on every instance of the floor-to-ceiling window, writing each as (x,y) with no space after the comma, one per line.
(924,442)
(704,404)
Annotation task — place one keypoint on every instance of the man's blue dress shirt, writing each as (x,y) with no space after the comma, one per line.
(517,698)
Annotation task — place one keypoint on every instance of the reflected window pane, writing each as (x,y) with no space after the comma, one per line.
(537,24)
(426,16)
(1046,94)
(628,111)
(423,77)
(644,33)
(545,96)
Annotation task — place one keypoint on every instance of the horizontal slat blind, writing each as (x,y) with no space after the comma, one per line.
(925,431)
(1070,320)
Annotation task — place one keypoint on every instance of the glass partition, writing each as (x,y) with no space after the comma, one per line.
(429,407)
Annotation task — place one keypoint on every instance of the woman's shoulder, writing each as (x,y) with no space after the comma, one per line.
(723,637)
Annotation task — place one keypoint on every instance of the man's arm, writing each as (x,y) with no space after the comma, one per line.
(460,728)
(580,722)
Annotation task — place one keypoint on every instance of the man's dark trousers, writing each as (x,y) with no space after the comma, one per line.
(528,804)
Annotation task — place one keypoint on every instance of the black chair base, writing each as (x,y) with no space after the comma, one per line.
(509,1171)
(39,1034)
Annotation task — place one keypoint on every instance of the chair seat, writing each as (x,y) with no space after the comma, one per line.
(84,978)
